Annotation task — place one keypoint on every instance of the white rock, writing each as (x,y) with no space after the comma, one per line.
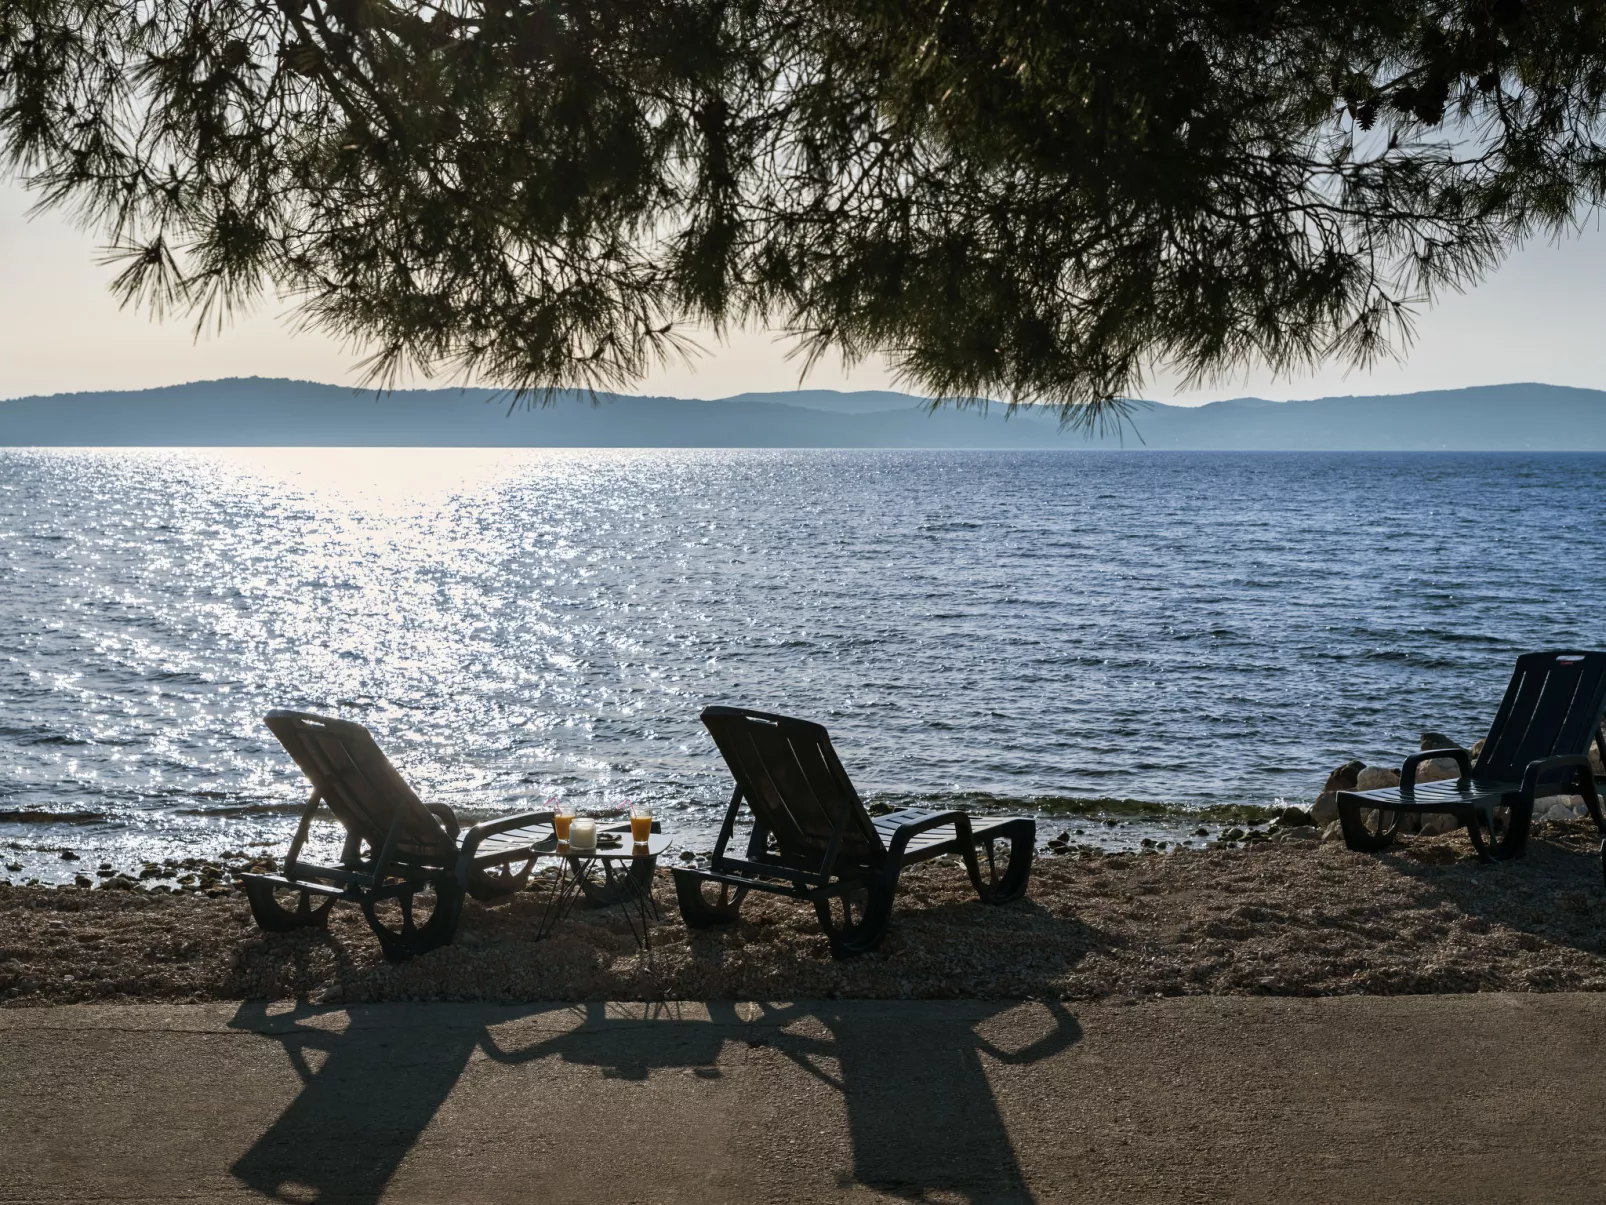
(1438,769)
(1374,777)
(1435,823)
(1325,809)
(1558,811)
(1333,832)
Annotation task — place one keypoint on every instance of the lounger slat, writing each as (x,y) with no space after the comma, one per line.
(1553,705)
(795,786)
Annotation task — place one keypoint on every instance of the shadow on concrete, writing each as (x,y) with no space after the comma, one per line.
(921,1114)
(922,1118)
(369,1090)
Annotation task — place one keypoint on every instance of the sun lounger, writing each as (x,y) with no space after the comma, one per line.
(812,838)
(396,845)
(1537,746)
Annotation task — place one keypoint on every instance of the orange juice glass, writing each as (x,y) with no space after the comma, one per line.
(640,823)
(560,820)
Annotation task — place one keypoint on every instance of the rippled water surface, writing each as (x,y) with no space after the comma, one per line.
(987,629)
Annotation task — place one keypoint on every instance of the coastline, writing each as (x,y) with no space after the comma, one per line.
(1284,917)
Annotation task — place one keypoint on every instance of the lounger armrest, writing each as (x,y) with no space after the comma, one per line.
(1408,769)
(1545,767)
(904,833)
(446,816)
(489,828)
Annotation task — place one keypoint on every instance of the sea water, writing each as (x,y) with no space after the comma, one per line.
(1092,637)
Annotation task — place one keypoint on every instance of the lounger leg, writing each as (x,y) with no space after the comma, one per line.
(408,938)
(1000,876)
(704,903)
(486,883)
(856,921)
(1519,819)
(1497,841)
(1586,788)
(273,917)
(1358,836)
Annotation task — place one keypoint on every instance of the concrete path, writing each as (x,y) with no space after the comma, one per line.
(1420,1099)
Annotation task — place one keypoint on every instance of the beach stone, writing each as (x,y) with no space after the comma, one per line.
(1333,832)
(1558,812)
(1325,809)
(1436,740)
(1438,769)
(1437,823)
(1292,817)
(1343,778)
(1299,832)
(1374,778)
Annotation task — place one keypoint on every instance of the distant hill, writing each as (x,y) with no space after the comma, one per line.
(258,411)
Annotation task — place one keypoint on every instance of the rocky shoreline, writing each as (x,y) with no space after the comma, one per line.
(1358,776)
(1272,911)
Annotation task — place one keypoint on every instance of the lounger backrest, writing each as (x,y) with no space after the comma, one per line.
(791,778)
(359,784)
(1553,706)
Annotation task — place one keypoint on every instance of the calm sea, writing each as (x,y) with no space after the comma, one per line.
(1043,631)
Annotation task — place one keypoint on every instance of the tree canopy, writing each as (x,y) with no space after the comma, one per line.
(1029,200)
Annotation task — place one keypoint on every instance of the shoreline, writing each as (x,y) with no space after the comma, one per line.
(1284,917)
(50,849)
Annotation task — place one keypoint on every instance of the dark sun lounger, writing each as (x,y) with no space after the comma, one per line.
(396,845)
(812,838)
(1537,746)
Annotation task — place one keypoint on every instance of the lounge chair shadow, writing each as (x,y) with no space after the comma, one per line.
(921,1112)
(922,1118)
(364,1102)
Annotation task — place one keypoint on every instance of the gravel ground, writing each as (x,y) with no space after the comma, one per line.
(1285,917)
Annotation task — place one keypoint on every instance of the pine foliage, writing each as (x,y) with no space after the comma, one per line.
(1036,202)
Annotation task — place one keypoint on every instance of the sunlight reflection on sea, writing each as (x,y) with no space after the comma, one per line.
(987,629)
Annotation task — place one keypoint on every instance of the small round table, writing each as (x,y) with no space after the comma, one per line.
(627,871)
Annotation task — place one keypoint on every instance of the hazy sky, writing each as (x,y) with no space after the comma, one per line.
(1540,318)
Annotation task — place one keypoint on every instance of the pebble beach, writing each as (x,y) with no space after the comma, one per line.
(1280,914)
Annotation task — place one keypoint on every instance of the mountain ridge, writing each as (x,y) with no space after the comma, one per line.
(262,411)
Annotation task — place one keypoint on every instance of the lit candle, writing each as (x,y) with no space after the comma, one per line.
(582,834)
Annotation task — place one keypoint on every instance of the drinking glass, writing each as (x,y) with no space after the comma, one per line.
(560,820)
(640,823)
